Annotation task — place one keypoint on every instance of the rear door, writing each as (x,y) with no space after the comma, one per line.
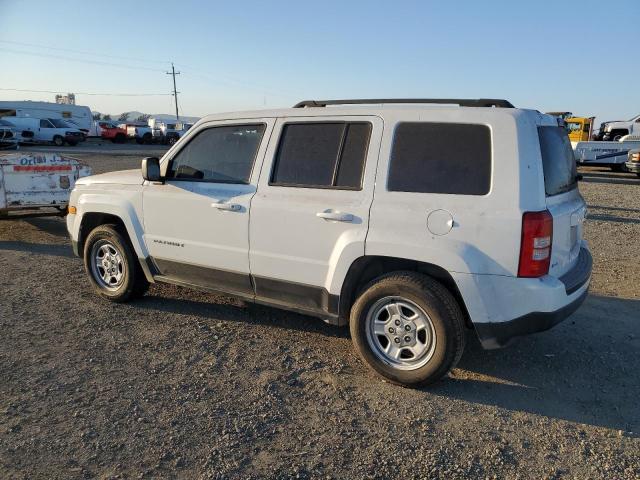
(310,216)
(563,199)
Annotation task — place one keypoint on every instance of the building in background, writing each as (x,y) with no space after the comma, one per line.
(68,99)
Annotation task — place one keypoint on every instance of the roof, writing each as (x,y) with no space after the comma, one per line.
(358,110)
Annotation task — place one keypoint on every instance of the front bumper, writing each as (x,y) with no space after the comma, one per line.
(75,138)
(633,167)
(509,307)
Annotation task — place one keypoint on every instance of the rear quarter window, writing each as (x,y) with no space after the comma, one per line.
(558,160)
(452,158)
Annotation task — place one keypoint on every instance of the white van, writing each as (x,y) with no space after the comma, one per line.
(46,130)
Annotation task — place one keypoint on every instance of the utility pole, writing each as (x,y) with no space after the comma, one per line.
(175,91)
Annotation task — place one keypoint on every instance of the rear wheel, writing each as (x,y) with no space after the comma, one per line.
(147,138)
(112,266)
(408,328)
(58,141)
(119,138)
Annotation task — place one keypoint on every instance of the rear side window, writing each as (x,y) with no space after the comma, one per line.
(322,155)
(450,158)
(558,161)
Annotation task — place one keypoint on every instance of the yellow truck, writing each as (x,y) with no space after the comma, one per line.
(579,128)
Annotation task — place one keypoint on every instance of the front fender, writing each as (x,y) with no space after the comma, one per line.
(126,205)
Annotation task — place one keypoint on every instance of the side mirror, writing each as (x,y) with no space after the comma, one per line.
(151,169)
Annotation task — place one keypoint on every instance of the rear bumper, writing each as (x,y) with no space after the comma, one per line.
(498,335)
(502,308)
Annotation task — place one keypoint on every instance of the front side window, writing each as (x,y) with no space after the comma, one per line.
(453,158)
(322,155)
(219,154)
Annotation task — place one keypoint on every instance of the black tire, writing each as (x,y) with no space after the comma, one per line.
(147,138)
(120,138)
(133,284)
(619,167)
(58,141)
(436,301)
(172,140)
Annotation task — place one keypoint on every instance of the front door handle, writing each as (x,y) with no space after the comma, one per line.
(231,207)
(336,216)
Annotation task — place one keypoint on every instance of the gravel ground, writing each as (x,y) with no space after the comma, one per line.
(182,384)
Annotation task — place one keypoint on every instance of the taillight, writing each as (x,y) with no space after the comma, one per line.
(535,248)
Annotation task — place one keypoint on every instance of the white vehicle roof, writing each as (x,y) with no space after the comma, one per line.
(384,110)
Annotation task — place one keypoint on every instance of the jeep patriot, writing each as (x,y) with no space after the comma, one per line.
(409,220)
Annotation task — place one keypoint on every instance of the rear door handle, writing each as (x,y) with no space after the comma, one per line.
(231,207)
(336,216)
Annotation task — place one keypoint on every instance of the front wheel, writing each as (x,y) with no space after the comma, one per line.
(112,266)
(408,328)
(58,141)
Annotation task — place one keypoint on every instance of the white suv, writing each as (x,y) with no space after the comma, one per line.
(410,223)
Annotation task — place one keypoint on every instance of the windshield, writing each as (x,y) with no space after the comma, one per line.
(4,123)
(558,161)
(60,123)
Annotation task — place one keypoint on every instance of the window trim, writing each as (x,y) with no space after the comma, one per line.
(491,158)
(336,167)
(210,127)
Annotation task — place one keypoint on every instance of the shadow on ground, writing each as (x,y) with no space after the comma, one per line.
(585,370)
(37,248)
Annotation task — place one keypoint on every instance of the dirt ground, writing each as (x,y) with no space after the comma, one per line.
(182,384)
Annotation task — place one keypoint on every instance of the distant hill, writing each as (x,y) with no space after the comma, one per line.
(133,115)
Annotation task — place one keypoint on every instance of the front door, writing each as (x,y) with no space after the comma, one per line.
(310,216)
(197,220)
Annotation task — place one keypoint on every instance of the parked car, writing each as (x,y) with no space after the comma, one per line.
(8,135)
(46,130)
(633,161)
(476,222)
(37,183)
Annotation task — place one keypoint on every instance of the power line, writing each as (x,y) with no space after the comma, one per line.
(226,80)
(95,62)
(89,93)
(82,52)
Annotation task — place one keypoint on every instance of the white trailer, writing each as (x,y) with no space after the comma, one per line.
(606,154)
(77,114)
(37,184)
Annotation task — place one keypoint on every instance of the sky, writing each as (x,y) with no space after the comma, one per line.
(578,56)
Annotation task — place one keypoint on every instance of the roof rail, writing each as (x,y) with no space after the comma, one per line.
(463,102)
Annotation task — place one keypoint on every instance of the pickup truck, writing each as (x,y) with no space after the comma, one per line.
(612,131)
(140,132)
(114,133)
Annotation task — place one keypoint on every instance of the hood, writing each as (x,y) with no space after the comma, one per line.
(121,177)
